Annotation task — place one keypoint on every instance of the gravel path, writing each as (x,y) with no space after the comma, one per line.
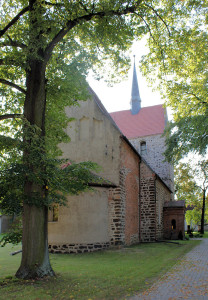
(187,280)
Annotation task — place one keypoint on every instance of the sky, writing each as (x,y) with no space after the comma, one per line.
(118,97)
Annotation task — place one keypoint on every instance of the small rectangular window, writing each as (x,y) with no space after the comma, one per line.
(143,148)
(53,213)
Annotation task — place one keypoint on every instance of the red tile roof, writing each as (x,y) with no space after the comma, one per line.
(149,121)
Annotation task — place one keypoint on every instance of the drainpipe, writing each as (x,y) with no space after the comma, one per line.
(155,207)
(139,166)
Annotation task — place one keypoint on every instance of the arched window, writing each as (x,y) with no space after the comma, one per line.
(173,223)
(143,148)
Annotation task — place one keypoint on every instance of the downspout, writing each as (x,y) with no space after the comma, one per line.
(155,206)
(139,166)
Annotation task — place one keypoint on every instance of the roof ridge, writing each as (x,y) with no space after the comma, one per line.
(144,107)
(107,114)
(103,109)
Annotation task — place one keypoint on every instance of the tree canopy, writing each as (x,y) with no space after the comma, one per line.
(179,64)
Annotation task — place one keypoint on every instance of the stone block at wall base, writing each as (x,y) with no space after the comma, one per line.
(77,248)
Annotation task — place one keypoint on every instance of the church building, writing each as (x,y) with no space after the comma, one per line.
(144,127)
(128,207)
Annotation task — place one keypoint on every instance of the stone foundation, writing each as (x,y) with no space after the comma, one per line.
(77,248)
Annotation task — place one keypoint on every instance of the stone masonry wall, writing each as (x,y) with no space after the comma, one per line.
(162,195)
(130,185)
(148,207)
(77,248)
(155,145)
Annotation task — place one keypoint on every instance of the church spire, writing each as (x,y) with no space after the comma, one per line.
(135,96)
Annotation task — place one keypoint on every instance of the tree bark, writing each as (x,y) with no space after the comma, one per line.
(203,212)
(35,259)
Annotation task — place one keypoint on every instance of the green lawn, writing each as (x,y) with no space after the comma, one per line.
(205,235)
(111,274)
(198,235)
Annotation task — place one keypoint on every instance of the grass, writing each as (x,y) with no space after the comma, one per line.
(205,235)
(198,235)
(111,274)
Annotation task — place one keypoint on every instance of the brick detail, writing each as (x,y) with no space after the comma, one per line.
(129,181)
(177,214)
(77,248)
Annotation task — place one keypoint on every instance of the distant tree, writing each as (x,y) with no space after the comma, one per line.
(191,185)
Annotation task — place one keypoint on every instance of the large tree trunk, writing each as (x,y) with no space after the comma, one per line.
(203,212)
(35,259)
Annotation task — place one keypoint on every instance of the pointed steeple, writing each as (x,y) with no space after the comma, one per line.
(135,96)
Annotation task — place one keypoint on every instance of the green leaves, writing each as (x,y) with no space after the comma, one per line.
(11,189)
(58,178)
(177,64)
(188,134)
(14,234)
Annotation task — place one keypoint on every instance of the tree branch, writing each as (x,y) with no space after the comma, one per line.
(192,94)
(4,62)
(10,116)
(83,6)
(53,4)
(9,83)
(148,27)
(13,44)
(14,20)
(154,40)
(72,23)
(16,44)
(166,25)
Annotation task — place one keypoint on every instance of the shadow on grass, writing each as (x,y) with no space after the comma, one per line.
(109,274)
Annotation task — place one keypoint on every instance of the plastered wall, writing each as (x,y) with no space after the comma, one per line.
(94,138)
(130,182)
(85,221)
